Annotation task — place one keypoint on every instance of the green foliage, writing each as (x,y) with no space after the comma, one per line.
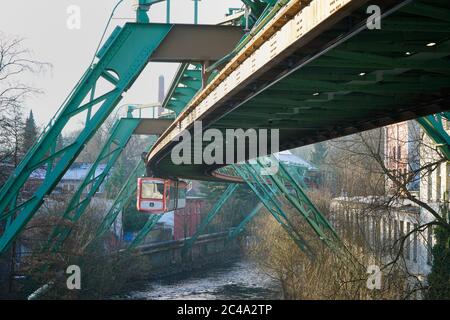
(439,278)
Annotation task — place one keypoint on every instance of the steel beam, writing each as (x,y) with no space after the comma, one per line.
(118,138)
(243,224)
(124,196)
(186,43)
(121,60)
(269,197)
(434,128)
(148,226)
(209,217)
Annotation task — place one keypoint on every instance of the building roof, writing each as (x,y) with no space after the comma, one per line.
(286,157)
(76,172)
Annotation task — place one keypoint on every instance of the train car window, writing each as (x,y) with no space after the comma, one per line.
(181,193)
(181,203)
(172,198)
(152,190)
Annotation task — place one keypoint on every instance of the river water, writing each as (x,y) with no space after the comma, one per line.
(238,280)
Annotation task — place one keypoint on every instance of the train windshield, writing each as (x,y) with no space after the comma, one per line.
(152,189)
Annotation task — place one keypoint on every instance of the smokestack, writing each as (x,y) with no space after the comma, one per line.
(161,92)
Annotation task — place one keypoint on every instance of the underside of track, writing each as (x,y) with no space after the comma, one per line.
(335,79)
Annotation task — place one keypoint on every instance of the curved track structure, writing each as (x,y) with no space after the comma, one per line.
(312,69)
(317,72)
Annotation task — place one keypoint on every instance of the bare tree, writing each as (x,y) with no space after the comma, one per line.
(16,63)
(371,196)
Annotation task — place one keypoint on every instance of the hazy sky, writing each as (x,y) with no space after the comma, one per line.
(43,24)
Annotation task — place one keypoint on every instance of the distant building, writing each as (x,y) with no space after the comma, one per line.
(435,184)
(290,159)
(369,221)
(381,221)
(187,220)
(401,153)
(69,183)
(304,170)
(184,222)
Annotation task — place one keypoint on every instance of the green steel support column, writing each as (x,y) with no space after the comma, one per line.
(308,211)
(121,60)
(304,200)
(209,217)
(241,226)
(299,178)
(119,136)
(122,199)
(187,76)
(143,8)
(303,206)
(149,225)
(269,198)
(434,128)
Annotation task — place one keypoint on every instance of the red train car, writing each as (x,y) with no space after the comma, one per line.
(156,196)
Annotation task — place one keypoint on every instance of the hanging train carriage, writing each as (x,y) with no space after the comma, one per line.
(155,195)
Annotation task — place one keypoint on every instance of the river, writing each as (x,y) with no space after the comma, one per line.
(238,280)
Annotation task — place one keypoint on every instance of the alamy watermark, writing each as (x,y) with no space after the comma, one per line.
(74,17)
(374,21)
(374,279)
(226,146)
(73,281)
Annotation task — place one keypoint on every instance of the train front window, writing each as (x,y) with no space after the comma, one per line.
(152,190)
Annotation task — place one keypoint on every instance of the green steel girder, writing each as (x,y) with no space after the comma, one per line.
(121,200)
(121,60)
(348,79)
(305,206)
(118,138)
(429,11)
(195,74)
(188,79)
(260,13)
(434,128)
(275,185)
(243,224)
(124,196)
(269,197)
(175,104)
(182,97)
(298,178)
(187,82)
(209,217)
(149,225)
(143,8)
